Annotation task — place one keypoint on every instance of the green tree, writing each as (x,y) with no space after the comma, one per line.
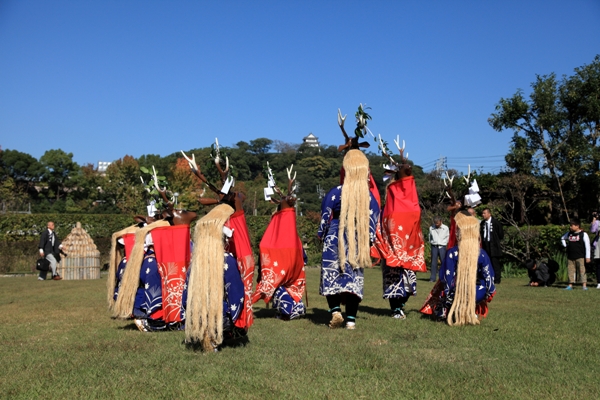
(58,169)
(23,168)
(124,187)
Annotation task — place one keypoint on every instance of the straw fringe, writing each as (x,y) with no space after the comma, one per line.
(353,231)
(204,313)
(114,260)
(129,285)
(462,311)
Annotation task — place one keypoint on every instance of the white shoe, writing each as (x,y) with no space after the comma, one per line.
(42,279)
(598,287)
(351,325)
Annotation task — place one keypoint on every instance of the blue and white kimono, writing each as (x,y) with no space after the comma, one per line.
(148,298)
(333,281)
(398,282)
(233,299)
(447,275)
(286,306)
(119,277)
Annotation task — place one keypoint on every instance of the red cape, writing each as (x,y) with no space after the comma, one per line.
(281,258)
(399,238)
(172,249)
(240,247)
(129,241)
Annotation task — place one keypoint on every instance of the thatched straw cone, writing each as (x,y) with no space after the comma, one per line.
(82,260)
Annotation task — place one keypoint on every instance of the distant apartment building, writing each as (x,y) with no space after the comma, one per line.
(102,166)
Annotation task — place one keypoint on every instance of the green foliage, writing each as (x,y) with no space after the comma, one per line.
(543,241)
(21,167)
(562,275)
(17,227)
(362,119)
(58,167)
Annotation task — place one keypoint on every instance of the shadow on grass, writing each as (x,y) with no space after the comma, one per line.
(227,343)
(380,312)
(318,316)
(265,313)
(130,327)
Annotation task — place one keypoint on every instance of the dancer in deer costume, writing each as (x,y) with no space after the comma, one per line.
(400,239)
(218,295)
(349,217)
(282,259)
(467,277)
(153,283)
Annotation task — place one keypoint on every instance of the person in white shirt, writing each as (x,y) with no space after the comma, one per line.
(439,235)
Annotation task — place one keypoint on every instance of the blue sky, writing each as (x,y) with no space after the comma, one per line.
(103,79)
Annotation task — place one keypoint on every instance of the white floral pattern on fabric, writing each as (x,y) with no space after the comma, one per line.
(333,280)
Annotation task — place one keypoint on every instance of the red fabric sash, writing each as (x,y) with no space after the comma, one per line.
(452,239)
(240,247)
(172,248)
(129,240)
(400,239)
(433,299)
(281,258)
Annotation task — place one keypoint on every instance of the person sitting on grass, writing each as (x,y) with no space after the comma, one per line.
(539,273)
(577,244)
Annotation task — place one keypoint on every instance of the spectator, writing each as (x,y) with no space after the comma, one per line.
(539,273)
(50,248)
(438,238)
(491,236)
(577,244)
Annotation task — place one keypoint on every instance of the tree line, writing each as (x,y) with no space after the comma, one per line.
(552,172)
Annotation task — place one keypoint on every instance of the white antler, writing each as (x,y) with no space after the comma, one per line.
(469,175)
(450,179)
(341,119)
(155,177)
(289,173)
(191,161)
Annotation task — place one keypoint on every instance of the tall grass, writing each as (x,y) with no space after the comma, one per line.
(562,275)
(58,342)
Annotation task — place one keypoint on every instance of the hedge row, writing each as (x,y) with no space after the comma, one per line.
(19,234)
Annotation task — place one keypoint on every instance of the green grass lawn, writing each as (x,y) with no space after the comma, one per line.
(58,341)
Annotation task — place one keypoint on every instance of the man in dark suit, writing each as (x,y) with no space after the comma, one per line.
(491,236)
(49,246)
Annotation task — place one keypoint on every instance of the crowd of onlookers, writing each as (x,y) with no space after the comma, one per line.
(579,248)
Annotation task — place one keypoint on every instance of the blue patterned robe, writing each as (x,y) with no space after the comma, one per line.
(398,282)
(447,274)
(333,281)
(286,305)
(148,297)
(119,277)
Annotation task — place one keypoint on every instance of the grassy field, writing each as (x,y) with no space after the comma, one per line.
(59,342)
